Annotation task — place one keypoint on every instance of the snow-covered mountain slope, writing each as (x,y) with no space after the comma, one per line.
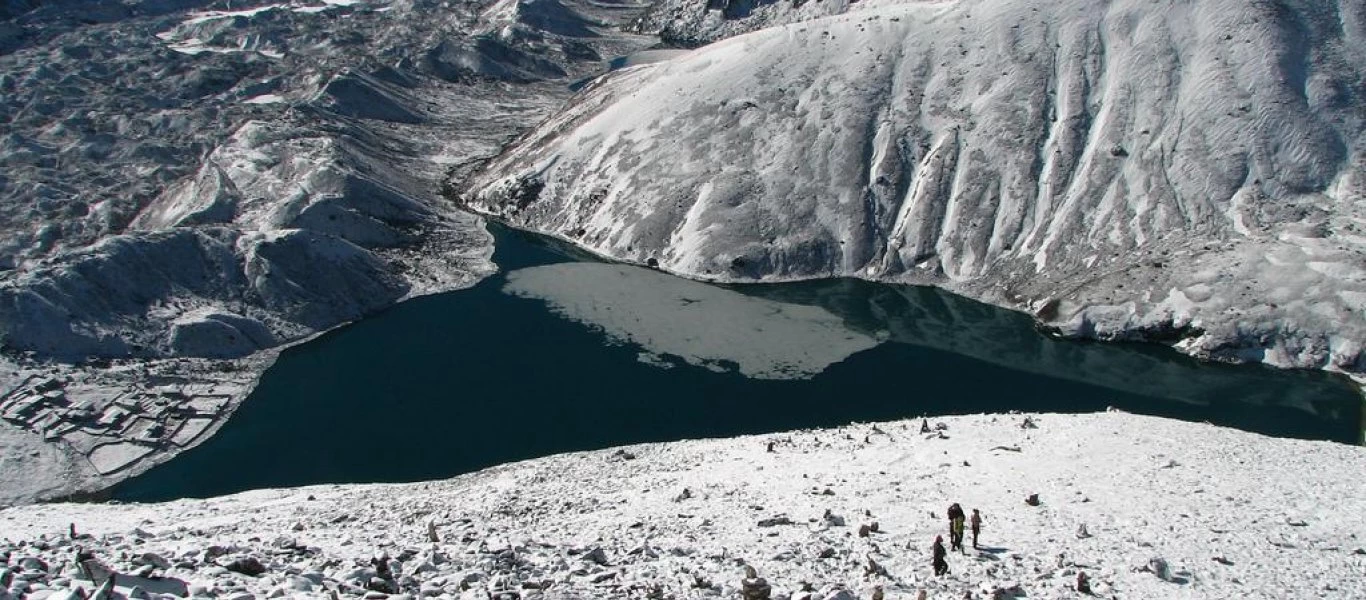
(188,187)
(1146,507)
(1189,171)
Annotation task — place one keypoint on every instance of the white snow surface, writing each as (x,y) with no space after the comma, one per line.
(1232,515)
(1190,171)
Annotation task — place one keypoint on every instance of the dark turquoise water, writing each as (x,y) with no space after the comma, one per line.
(452,383)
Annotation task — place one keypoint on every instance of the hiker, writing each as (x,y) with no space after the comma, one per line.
(956,519)
(924,426)
(955,511)
(976,527)
(958,534)
(941,566)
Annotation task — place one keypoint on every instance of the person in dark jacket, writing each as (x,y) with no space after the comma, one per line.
(941,566)
(976,523)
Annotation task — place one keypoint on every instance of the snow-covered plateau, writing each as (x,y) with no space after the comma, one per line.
(1185,171)
(189,186)
(1145,507)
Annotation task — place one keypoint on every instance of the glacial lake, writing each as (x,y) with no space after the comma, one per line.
(559,353)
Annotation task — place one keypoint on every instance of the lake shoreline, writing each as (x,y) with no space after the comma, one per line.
(528,355)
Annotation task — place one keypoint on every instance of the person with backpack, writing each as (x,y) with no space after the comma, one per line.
(956,519)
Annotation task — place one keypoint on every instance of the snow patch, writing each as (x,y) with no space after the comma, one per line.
(265,99)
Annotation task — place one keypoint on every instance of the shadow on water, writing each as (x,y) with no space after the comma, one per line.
(1257,398)
(557,353)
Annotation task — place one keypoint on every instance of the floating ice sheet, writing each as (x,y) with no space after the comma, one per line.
(702,324)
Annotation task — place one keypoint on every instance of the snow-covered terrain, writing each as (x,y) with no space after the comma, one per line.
(1187,171)
(1146,507)
(189,186)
